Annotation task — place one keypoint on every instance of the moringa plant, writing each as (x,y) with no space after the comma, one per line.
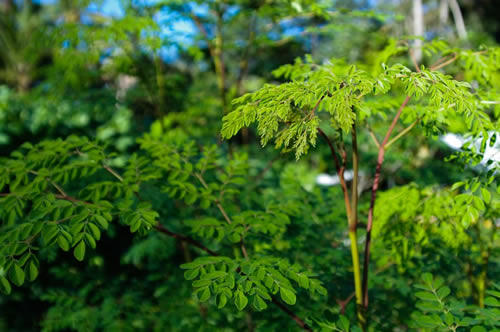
(348,98)
(66,193)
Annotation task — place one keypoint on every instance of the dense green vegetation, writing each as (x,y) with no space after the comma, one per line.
(139,190)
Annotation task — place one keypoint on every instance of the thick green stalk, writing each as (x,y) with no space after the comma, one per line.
(352,231)
(357,276)
(353,225)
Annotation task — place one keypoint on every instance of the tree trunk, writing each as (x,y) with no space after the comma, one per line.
(459,20)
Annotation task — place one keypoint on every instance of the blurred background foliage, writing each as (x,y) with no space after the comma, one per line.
(113,71)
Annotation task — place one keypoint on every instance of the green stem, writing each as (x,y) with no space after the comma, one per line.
(352,229)
(357,277)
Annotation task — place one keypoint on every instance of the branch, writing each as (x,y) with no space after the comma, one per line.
(160,228)
(113,172)
(343,303)
(59,189)
(401,134)
(439,65)
(354,185)
(317,104)
(374,138)
(340,173)
(290,313)
(414,60)
(376,180)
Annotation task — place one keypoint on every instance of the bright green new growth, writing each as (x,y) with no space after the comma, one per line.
(291,113)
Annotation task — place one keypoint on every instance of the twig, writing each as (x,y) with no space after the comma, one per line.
(343,303)
(401,134)
(59,189)
(290,313)
(162,229)
(415,63)
(113,172)
(444,64)
(374,138)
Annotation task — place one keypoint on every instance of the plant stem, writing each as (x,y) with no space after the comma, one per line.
(401,134)
(444,64)
(352,228)
(355,178)
(356,267)
(374,138)
(376,180)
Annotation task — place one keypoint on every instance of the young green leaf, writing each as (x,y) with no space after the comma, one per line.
(79,251)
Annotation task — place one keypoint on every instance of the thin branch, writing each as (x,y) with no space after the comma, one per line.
(401,134)
(444,64)
(59,189)
(340,173)
(244,249)
(221,209)
(224,213)
(343,303)
(113,172)
(376,180)
(290,313)
(313,111)
(414,60)
(162,229)
(374,138)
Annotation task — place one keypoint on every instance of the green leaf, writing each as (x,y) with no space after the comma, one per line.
(240,300)
(426,296)
(486,195)
(287,296)
(492,302)
(213,275)
(448,319)
(443,292)
(222,300)
(190,265)
(343,323)
(5,285)
(429,321)
(259,303)
(427,277)
(201,283)
(478,329)
(63,243)
(204,294)
(191,274)
(16,275)
(32,271)
(101,221)
(79,251)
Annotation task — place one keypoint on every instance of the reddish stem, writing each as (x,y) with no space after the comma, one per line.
(376,181)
